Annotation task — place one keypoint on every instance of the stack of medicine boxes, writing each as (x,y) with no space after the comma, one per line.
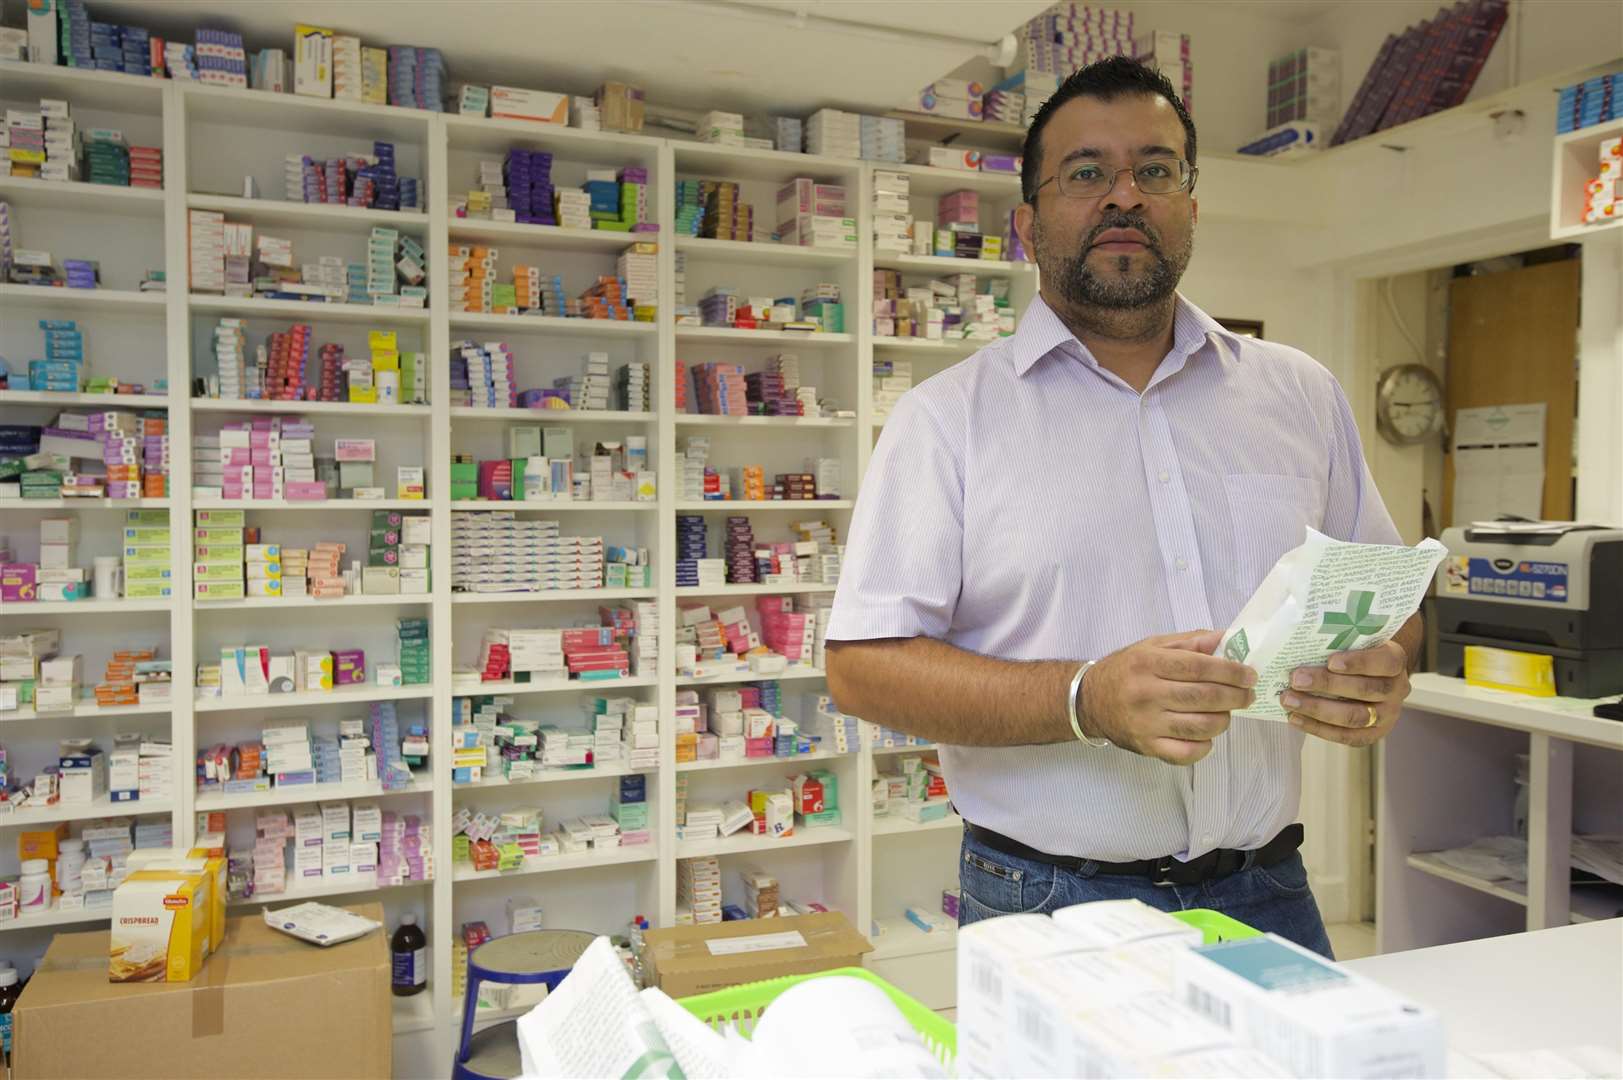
(217,555)
(148,573)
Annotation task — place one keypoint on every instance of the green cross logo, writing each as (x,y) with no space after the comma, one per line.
(1354,623)
(1238,648)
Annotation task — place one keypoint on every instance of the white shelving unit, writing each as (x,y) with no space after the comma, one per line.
(212,138)
(1573,759)
(1575,162)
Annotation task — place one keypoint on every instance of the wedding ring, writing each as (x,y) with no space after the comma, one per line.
(1374,717)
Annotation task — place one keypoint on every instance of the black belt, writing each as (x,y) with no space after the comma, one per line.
(1217,863)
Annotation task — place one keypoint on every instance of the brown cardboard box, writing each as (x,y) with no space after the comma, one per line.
(686,960)
(265,1005)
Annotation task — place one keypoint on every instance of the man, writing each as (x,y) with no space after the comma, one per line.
(1068,519)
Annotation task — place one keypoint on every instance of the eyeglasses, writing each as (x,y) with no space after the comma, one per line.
(1090,180)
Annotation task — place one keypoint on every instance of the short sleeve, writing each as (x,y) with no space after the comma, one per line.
(1354,510)
(903,565)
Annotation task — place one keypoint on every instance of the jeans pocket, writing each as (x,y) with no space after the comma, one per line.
(1004,886)
(1287,878)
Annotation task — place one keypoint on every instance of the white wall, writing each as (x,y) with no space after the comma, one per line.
(1239,272)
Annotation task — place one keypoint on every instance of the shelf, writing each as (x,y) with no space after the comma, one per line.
(750,506)
(1564,718)
(1513,891)
(763,253)
(99,808)
(414,1013)
(932,181)
(746,842)
(422,784)
(957,347)
(1575,160)
(240,107)
(261,602)
(82,196)
(552,325)
(788,423)
(553,416)
(305,891)
(86,89)
(495,136)
(1580,232)
(942,264)
(552,776)
(548,864)
(75,502)
(896,826)
(746,763)
(92,401)
(793,672)
(745,163)
(731,335)
(309,504)
(87,709)
(553,596)
(311,215)
(83,607)
(901,938)
(314,408)
(304,698)
(1586,903)
(878,750)
(51,296)
(753,589)
(553,506)
(507,688)
(57,917)
(976,134)
(251,307)
(550,237)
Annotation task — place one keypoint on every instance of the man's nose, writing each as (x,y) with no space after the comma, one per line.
(1124,193)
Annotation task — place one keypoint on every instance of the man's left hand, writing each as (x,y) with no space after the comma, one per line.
(1355,700)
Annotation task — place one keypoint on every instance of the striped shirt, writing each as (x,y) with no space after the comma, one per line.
(1028,504)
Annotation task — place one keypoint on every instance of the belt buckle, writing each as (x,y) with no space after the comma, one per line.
(1163,871)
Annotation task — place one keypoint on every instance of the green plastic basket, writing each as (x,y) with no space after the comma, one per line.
(740,1006)
(1215,925)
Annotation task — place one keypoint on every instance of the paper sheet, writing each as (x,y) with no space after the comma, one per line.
(1323,597)
(594,1025)
(1498,462)
(700,1050)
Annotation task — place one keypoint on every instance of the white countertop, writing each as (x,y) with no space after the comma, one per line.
(1545,989)
(1566,718)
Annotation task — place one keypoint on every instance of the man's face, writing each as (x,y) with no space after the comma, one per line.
(1125,249)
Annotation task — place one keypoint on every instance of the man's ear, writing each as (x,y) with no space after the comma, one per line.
(1025,215)
(1194,210)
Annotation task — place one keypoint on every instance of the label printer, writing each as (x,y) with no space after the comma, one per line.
(1547,588)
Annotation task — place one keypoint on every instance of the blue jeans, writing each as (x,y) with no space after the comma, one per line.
(1274,899)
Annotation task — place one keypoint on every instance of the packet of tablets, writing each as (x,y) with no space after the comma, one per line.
(320,924)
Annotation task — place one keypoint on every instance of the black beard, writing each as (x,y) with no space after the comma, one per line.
(1077,282)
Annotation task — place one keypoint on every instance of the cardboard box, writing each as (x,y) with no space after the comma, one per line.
(336,999)
(684,960)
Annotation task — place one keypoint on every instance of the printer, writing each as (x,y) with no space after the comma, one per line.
(1548,588)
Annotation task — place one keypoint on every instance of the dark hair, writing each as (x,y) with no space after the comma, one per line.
(1107,79)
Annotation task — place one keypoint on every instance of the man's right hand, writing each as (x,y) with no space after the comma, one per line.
(1165,697)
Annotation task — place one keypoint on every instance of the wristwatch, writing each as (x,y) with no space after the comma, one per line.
(1073,699)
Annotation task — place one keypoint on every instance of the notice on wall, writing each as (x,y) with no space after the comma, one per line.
(1498,462)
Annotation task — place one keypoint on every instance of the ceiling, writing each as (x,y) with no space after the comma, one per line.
(1290,11)
(752,55)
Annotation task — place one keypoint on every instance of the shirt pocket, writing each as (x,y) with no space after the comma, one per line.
(1270,513)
